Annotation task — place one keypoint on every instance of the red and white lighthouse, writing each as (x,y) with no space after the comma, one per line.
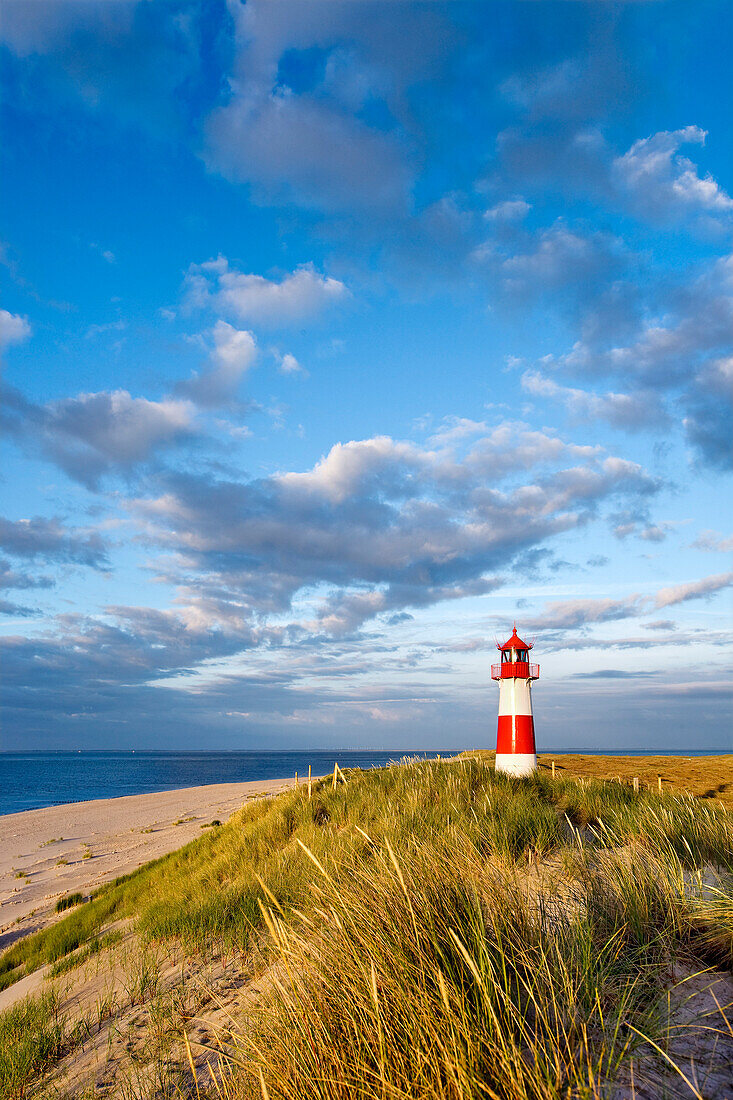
(515,747)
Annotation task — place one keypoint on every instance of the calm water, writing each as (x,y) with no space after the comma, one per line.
(29,780)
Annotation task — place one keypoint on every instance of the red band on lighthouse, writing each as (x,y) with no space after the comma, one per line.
(516,733)
(515,745)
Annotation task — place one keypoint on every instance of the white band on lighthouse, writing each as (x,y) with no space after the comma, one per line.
(516,763)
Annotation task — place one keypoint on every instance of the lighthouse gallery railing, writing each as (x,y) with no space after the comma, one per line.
(523,669)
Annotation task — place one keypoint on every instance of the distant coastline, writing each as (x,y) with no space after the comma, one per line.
(34,779)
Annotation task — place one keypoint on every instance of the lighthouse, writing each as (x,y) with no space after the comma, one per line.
(515,748)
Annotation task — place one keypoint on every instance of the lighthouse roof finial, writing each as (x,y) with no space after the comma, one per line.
(515,642)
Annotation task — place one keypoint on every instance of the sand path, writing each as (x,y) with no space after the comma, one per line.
(58,850)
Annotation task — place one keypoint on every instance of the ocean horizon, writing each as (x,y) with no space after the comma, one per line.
(35,778)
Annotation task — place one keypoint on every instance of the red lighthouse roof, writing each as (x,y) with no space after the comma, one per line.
(515,642)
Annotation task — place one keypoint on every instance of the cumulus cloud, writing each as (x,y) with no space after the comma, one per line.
(376,528)
(233,354)
(709,420)
(693,590)
(94,433)
(684,349)
(301,295)
(345,612)
(559,256)
(358,468)
(639,411)
(567,266)
(51,540)
(302,78)
(664,185)
(98,433)
(384,524)
(268,139)
(14,329)
(635,521)
(698,322)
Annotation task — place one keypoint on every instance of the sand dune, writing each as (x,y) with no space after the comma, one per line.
(58,850)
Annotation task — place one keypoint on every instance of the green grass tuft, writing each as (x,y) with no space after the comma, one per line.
(31,1038)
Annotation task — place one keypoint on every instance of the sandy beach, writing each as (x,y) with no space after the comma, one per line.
(58,850)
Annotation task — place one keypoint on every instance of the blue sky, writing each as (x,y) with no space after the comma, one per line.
(335,337)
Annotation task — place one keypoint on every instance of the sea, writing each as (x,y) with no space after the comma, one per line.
(30,780)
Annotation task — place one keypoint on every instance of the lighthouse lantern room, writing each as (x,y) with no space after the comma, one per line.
(515,746)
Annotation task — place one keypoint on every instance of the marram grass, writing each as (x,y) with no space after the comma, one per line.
(433,930)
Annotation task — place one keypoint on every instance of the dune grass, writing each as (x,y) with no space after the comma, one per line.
(439,931)
(209,891)
(431,963)
(68,902)
(31,1037)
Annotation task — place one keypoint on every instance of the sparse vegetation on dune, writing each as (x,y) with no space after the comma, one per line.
(31,1037)
(433,930)
(708,777)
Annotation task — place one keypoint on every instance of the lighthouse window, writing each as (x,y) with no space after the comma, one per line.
(506,655)
(521,654)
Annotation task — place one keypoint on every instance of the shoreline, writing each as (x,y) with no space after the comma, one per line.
(88,793)
(49,852)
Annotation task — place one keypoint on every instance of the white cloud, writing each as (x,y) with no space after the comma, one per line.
(13,328)
(122,427)
(664,350)
(572,614)
(665,185)
(561,265)
(271,140)
(457,428)
(233,354)
(301,295)
(290,365)
(382,524)
(638,411)
(508,211)
(693,590)
(97,433)
(315,146)
(352,469)
(575,614)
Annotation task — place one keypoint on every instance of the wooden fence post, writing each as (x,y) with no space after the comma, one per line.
(553,769)
(335,770)
(296,781)
(659,783)
(636,784)
(309,783)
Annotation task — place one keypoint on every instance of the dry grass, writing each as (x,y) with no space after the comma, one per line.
(433,930)
(702,776)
